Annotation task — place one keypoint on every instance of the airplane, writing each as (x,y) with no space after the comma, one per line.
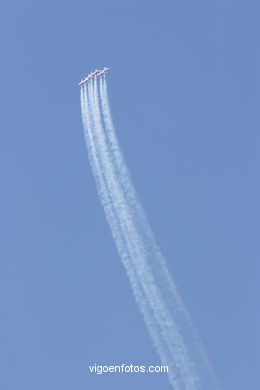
(84,81)
(96,72)
(103,71)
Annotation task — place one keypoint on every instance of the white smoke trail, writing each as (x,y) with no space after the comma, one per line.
(103,189)
(123,247)
(151,283)
(167,286)
(161,314)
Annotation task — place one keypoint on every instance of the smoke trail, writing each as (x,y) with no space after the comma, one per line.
(154,289)
(124,248)
(161,314)
(163,279)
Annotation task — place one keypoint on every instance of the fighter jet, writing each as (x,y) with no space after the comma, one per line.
(103,71)
(96,72)
(85,80)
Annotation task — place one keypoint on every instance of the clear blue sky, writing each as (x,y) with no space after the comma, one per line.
(184,99)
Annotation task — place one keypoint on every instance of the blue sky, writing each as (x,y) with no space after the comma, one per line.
(183,89)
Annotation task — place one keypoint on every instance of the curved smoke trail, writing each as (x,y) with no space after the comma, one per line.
(154,289)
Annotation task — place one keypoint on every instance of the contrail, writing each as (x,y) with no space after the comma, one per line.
(125,250)
(154,289)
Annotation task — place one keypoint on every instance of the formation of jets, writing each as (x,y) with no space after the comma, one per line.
(98,72)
